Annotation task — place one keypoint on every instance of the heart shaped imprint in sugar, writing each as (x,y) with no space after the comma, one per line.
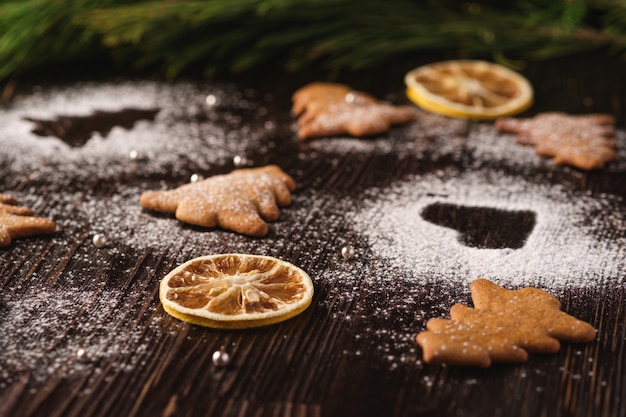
(239,201)
(584,141)
(16,222)
(504,326)
(326,109)
(483,227)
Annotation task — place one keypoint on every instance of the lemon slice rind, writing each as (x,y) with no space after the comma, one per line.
(203,317)
(427,100)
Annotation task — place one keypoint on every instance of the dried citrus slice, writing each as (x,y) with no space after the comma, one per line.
(469,89)
(235,291)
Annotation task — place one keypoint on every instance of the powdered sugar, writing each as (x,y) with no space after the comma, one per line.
(562,250)
(578,238)
(171,142)
(47,330)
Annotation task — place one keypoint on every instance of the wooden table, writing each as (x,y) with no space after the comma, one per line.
(82,329)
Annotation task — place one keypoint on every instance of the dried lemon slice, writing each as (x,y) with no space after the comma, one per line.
(469,89)
(235,291)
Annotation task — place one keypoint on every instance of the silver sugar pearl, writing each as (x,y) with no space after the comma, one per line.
(347,252)
(196,178)
(220,358)
(81,355)
(240,161)
(134,155)
(99,240)
(353,98)
(210,100)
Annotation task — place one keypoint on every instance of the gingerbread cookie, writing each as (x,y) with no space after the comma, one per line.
(504,326)
(238,201)
(326,109)
(16,222)
(583,141)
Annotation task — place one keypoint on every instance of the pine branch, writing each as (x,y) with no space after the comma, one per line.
(39,32)
(169,37)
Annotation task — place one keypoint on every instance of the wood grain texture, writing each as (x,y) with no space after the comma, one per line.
(352,352)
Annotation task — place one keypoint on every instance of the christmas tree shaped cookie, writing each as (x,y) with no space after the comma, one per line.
(16,221)
(327,109)
(504,326)
(240,201)
(584,141)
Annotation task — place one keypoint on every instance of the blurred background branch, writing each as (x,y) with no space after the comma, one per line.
(170,37)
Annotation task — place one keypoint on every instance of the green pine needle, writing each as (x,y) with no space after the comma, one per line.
(172,36)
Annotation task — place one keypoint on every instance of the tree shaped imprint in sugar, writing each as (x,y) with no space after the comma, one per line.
(504,326)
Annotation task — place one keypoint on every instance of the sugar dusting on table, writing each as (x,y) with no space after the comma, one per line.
(61,331)
(182,134)
(43,326)
(562,249)
(397,256)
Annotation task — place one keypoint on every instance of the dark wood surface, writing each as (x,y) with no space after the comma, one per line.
(352,353)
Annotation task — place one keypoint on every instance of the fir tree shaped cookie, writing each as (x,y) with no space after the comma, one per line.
(16,221)
(504,326)
(239,201)
(326,109)
(584,141)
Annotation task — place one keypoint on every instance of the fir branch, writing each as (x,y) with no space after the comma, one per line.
(39,32)
(169,36)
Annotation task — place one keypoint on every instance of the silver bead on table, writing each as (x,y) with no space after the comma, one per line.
(81,355)
(99,240)
(347,252)
(240,161)
(353,98)
(196,178)
(220,358)
(210,100)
